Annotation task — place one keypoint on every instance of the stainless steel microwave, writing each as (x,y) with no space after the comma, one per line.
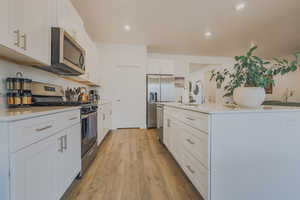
(67,56)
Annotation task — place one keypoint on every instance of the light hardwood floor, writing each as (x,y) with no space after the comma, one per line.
(132,165)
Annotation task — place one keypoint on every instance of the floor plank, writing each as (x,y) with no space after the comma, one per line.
(132,165)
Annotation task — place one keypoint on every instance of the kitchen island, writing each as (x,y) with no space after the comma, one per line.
(232,153)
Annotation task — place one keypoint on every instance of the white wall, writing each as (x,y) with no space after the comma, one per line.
(290,81)
(8,69)
(112,56)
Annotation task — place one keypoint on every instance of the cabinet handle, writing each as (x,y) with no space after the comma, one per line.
(168,122)
(24,37)
(103,117)
(190,169)
(65,142)
(42,129)
(73,118)
(189,118)
(61,149)
(190,141)
(17,42)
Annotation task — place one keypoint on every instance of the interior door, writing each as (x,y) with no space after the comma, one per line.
(130,94)
(33,172)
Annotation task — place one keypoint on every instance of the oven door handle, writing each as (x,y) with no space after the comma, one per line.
(88,115)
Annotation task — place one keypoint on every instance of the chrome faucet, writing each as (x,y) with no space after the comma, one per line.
(287,94)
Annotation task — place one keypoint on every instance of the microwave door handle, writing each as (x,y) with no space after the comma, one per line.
(81,60)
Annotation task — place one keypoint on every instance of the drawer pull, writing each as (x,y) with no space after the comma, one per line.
(189,118)
(61,149)
(190,169)
(190,141)
(73,118)
(42,129)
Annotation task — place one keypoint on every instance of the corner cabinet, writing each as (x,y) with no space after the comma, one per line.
(44,156)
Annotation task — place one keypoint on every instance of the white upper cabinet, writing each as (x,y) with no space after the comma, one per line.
(160,66)
(30,28)
(64,15)
(25,31)
(4,21)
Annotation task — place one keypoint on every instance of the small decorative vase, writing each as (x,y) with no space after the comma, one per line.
(251,97)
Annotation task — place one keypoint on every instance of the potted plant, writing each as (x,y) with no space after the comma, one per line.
(250,76)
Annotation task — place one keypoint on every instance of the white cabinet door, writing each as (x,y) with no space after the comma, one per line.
(72,151)
(100,126)
(32,19)
(167,131)
(159,66)
(4,21)
(68,158)
(33,171)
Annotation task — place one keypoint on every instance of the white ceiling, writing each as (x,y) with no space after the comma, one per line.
(178,26)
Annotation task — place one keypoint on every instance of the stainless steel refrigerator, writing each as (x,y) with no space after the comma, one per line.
(160,88)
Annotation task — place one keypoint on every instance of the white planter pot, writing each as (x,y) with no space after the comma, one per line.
(251,97)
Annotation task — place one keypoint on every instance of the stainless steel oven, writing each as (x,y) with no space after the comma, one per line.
(88,135)
(67,56)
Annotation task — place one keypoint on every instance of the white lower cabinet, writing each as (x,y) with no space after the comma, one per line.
(33,171)
(44,167)
(189,146)
(104,121)
(68,164)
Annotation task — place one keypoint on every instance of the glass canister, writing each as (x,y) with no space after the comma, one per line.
(26,84)
(10,99)
(29,98)
(24,98)
(17,83)
(17,99)
(9,84)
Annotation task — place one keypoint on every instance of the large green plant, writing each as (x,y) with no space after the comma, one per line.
(252,71)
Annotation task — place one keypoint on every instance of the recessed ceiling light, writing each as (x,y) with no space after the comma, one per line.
(127,28)
(240,6)
(208,34)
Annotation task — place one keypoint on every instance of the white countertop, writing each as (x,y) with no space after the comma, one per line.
(13,114)
(218,108)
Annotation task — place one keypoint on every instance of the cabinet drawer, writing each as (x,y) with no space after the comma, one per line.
(197,174)
(195,119)
(29,131)
(196,142)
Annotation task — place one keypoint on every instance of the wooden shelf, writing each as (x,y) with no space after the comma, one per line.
(81,80)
